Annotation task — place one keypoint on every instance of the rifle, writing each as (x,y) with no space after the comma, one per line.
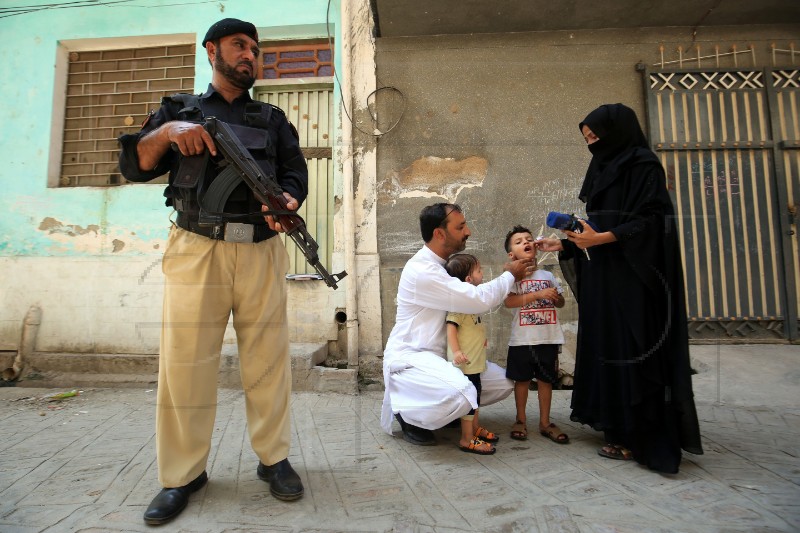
(239,164)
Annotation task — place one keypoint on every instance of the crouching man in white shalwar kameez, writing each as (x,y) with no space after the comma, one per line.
(422,387)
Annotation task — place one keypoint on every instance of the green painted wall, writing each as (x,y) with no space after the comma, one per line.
(38,221)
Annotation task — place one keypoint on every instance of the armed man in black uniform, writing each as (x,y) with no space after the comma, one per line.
(218,262)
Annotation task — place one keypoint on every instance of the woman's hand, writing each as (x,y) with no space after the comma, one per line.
(589,237)
(549,245)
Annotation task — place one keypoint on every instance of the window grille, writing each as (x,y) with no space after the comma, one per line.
(110,92)
(299,60)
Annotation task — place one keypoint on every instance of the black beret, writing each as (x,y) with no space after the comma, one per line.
(229,26)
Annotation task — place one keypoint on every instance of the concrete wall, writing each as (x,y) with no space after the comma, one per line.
(90,256)
(357,155)
(491,123)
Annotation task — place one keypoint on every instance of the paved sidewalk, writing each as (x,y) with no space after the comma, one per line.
(87,464)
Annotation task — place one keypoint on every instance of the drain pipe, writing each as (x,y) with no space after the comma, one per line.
(348,192)
(30,328)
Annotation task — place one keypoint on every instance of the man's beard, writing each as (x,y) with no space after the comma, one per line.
(456,246)
(242,80)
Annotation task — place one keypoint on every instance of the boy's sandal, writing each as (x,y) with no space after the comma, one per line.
(486,435)
(615,451)
(554,433)
(519,431)
(478,446)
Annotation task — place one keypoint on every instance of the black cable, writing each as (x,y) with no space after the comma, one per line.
(707,13)
(370,95)
(23,10)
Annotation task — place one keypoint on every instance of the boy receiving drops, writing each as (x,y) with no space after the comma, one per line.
(536,337)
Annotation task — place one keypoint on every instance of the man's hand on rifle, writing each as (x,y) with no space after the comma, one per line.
(190,138)
(273,224)
(187,138)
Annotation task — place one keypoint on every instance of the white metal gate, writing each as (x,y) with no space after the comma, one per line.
(309,106)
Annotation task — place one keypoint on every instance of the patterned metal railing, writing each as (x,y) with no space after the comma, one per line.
(724,136)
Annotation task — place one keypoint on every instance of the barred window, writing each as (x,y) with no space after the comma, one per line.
(309,59)
(110,92)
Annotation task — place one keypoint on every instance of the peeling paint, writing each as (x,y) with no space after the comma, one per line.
(93,239)
(52,226)
(434,177)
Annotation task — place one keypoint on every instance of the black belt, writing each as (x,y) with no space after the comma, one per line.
(226,231)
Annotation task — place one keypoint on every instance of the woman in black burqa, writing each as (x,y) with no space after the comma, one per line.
(632,374)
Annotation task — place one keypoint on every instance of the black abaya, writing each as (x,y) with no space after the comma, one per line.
(632,374)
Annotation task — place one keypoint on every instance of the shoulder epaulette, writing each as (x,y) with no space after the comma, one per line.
(185,99)
(276,108)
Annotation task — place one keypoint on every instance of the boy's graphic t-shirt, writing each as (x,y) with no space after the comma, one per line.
(536,322)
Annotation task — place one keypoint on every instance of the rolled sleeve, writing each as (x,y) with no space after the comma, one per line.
(129,160)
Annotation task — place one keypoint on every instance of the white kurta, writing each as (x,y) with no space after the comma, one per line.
(420,383)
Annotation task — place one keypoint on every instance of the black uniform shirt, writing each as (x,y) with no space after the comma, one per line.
(290,166)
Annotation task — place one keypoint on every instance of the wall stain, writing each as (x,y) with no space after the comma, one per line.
(432,177)
(53,226)
(94,238)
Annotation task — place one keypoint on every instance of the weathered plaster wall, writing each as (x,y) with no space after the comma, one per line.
(361,149)
(90,256)
(491,122)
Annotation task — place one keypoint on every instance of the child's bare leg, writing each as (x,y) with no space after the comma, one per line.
(468,436)
(466,430)
(484,434)
(553,433)
(519,430)
(521,399)
(545,391)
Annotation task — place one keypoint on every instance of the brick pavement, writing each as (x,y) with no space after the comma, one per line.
(88,464)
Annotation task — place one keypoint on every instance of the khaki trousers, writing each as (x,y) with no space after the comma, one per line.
(206,280)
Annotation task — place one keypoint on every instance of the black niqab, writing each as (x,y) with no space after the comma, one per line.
(618,131)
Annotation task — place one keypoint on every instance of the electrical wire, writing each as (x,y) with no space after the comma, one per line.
(370,95)
(25,9)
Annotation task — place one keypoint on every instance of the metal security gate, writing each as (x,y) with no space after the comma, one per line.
(729,140)
(309,106)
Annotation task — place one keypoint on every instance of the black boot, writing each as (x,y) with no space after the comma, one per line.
(416,435)
(284,483)
(170,502)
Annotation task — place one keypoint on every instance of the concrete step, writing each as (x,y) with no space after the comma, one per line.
(79,370)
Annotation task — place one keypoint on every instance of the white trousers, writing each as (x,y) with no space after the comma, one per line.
(429,392)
